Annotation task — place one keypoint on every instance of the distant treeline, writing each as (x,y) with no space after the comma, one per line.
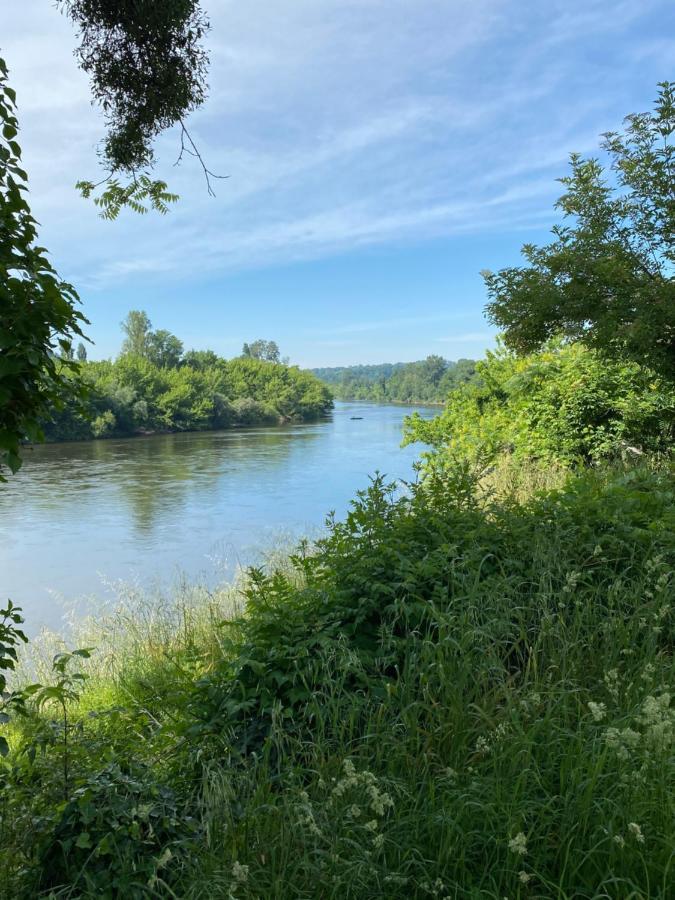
(429,380)
(154,386)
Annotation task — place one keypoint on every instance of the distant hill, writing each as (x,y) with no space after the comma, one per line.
(427,381)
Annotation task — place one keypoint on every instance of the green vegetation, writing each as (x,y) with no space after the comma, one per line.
(154,386)
(427,381)
(463,690)
(39,312)
(566,405)
(606,279)
(451,695)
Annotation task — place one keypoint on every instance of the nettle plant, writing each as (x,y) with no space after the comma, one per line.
(65,690)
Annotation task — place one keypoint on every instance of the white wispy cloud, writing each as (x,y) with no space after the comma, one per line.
(341,124)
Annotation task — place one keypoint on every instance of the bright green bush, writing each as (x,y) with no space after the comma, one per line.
(566,404)
(133,394)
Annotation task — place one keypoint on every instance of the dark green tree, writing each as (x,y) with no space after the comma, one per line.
(606,279)
(164,349)
(81,352)
(38,312)
(147,68)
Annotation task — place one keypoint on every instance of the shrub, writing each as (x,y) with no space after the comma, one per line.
(566,404)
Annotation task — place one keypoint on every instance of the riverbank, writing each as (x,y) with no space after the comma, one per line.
(421,707)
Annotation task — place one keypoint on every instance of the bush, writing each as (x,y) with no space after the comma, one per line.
(565,405)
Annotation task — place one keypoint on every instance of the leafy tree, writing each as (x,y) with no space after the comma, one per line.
(148,69)
(164,349)
(137,327)
(148,391)
(266,350)
(426,381)
(81,352)
(607,279)
(200,359)
(39,311)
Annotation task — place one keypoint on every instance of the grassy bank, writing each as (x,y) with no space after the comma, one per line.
(455,694)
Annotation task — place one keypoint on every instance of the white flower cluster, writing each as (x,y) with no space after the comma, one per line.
(365,782)
(485,744)
(518,844)
(656,718)
(598,711)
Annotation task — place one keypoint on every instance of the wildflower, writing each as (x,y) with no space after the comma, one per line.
(658,719)
(348,768)
(598,710)
(379,801)
(524,877)
(518,844)
(450,774)
(636,831)
(372,825)
(354,811)
(612,683)
(482,745)
(619,840)
(239,872)
(378,841)
(623,741)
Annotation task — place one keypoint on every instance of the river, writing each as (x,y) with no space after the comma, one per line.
(81,518)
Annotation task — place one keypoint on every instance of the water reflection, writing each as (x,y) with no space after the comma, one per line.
(147,507)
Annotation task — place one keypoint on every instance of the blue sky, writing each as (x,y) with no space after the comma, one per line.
(380,153)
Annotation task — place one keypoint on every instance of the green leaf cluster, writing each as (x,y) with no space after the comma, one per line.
(38,312)
(566,404)
(607,279)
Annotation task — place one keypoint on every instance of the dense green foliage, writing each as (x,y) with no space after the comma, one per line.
(147,69)
(607,280)
(38,311)
(428,380)
(136,394)
(451,696)
(147,66)
(566,405)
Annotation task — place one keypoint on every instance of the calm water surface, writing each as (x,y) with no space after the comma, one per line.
(79,518)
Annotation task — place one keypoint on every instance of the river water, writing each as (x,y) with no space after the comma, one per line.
(81,518)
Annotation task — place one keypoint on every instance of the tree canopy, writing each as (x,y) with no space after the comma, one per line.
(147,68)
(607,279)
(429,380)
(40,317)
(260,349)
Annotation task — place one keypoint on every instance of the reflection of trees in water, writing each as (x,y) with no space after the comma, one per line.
(149,475)
(161,474)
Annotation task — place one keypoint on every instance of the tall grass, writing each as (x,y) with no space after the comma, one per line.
(449,697)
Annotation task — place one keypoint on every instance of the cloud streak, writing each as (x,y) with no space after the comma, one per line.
(342,124)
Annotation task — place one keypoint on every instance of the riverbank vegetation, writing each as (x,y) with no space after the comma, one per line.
(463,690)
(427,381)
(154,386)
(452,694)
